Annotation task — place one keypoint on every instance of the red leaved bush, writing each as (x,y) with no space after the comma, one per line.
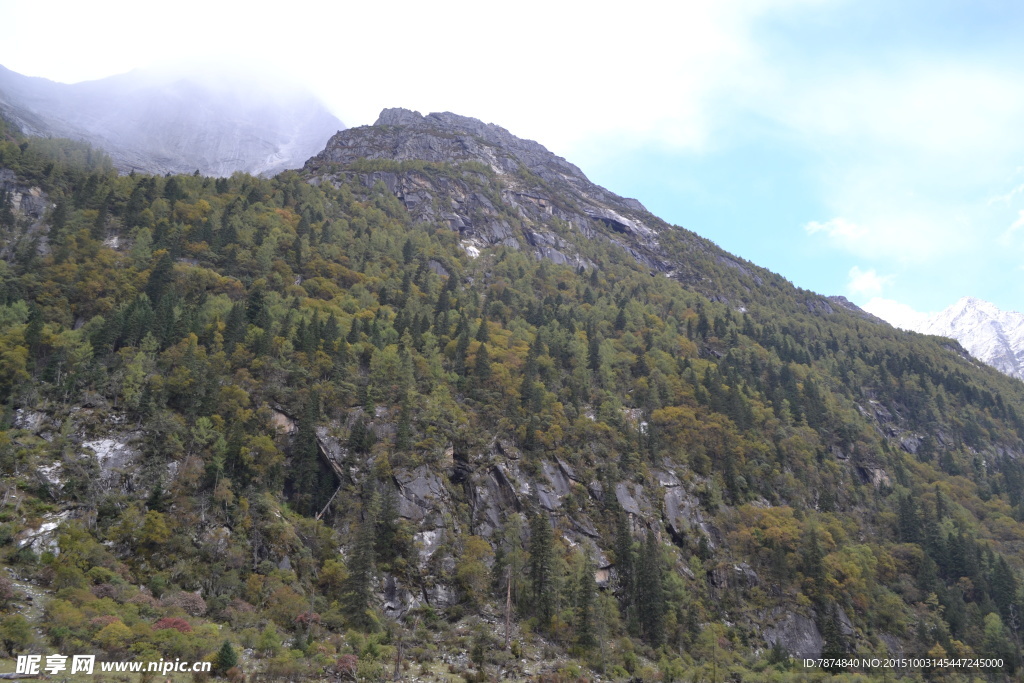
(177,623)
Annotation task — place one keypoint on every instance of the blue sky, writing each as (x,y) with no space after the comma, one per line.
(882,158)
(865,148)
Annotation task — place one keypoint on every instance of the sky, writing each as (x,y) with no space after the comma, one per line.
(867,148)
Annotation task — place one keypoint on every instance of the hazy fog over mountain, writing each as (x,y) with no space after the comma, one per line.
(215,119)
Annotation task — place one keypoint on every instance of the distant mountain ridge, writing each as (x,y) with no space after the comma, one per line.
(175,122)
(991,335)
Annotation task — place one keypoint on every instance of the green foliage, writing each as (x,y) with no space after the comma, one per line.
(232,304)
(16,633)
(227,658)
(543,571)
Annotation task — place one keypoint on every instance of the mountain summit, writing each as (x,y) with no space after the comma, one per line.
(175,120)
(513,192)
(536,184)
(991,335)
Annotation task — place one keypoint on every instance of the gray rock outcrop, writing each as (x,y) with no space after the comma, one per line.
(545,201)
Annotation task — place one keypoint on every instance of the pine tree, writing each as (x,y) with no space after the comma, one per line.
(835,645)
(306,459)
(650,592)
(234,326)
(160,277)
(461,347)
(814,566)
(593,349)
(586,596)
(361,438)
(907,522)
(482,367)
(403,431)
(1003,586)
(625,567)
(483,334)
(542,569)
(387,546)
(6,210)
(158,498)
(227,658)
(358,590)
(34,331)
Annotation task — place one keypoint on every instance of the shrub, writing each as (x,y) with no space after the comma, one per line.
(176,623)
(192,603)
(346,667)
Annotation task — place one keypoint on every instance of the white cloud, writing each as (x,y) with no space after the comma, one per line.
(1007,237)
(866,282)
(838,229)
(558,72)
(905,234)
(895,313)
(1008,196)
(910,148)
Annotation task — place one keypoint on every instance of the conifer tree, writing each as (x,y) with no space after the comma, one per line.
(305,459)
(227,658)
(625,566)
(358,590)
(586,596)
(160,277)
(6,210)
(835,645)
(650,592)
(542,569)
(482,367)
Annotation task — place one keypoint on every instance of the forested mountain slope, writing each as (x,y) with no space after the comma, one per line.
(343,414)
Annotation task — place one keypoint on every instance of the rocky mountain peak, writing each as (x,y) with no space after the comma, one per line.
(537,186)
(991,335)
(444,137)
(397,116)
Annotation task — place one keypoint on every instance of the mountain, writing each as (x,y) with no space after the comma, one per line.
(992,336)
(533,181)
(522,196)
(175,121)
(436,389)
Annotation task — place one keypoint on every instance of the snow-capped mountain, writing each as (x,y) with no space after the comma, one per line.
(991,335)
(177,119)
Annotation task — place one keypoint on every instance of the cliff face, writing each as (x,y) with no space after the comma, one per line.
(174,123)
(541,196)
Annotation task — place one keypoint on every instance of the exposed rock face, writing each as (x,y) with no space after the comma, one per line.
(28,206)
(797,634)
(544,201)
(174,123)
(843,302)
(27,201)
